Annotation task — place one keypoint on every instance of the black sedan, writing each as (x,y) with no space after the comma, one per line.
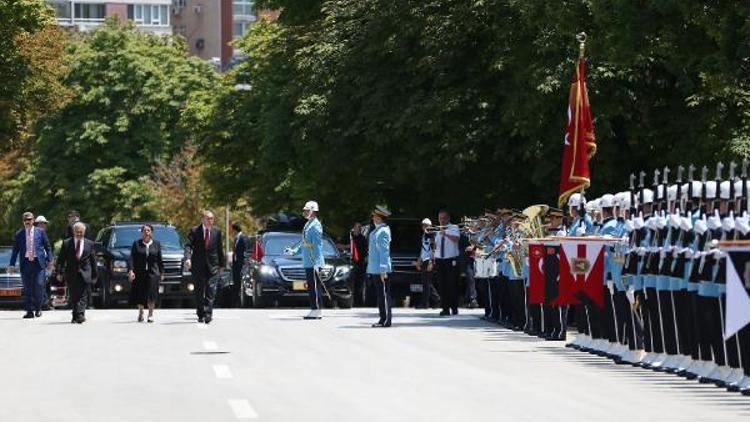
(270,277)
(11,287)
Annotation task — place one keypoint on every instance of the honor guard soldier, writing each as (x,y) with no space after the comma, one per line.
(312,257)
(555,320)
(379,264)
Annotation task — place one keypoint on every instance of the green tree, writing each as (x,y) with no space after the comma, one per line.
(130,91)
(423,104)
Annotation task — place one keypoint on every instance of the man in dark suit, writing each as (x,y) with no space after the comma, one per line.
(239,251)
(75,217)
(204,256)
(77,266)
(32,246)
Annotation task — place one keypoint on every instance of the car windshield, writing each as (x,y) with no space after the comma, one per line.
(406,236)
(275,244)
(123,237)
(5,257)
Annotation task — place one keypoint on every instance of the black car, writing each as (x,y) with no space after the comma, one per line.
(113,245)
(11,286)
(270,277)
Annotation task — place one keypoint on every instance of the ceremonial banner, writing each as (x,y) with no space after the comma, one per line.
(544,271)
(580,142)
(354,252)
(738,279)
(582,270)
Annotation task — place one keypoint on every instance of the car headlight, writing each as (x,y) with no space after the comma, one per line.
(268,271)
(343,271)
(120,266)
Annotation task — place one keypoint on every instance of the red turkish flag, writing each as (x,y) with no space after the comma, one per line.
(536,273)
(580,142)
(581,271)
(353,249)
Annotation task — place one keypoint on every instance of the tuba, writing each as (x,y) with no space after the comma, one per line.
(532,227)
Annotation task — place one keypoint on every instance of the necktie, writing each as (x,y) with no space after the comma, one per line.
(206,237)
(78,249)
(29,245)
(442,245)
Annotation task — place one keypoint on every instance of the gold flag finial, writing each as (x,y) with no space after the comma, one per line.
(581,37)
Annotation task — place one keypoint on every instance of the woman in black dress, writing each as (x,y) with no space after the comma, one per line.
(146,271)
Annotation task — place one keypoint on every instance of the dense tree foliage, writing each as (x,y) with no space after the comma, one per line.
(97,154)
(422,104)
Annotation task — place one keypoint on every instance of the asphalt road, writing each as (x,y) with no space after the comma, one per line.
(271,365)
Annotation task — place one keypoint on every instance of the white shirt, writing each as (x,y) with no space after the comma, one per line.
(425,254)
(446,248)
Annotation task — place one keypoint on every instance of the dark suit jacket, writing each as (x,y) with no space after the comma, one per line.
(42,248)
(205,261)
(87,234)
(148,265)
(70,267)
(240,251)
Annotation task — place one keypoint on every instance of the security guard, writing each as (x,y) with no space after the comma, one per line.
(379,264)
(312,257)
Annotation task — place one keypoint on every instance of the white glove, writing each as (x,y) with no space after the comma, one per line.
(688,253)
(580,231)
(660,222)
(686,224)
(611,286)
(727,224)
(742,224)
(638,222)
(641,251)
(629,225)
(717,254)
(700,226)
(630,294)
(714,222)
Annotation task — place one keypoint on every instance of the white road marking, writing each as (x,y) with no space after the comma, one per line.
(210,345)
(222,372)
(242,409)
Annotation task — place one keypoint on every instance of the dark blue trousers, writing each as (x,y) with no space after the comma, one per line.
(314,289)
(32,276)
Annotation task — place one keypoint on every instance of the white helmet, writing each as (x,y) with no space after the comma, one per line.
(593,205)
(710,189)
(738,188)
(672,193)
(426,222)
(607,201)
(724,188)
(311,206)
(575,200)
(648,196)
(622,199)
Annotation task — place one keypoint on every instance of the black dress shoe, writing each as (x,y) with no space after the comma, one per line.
(745,392)
(80,320)
(28,315)
(444,313)
(378,325)
(201,319)
(454,311)
(207,319)
(38,314)
(73,320)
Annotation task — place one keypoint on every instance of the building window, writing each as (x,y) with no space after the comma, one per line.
(61,8)
(243,9)
(90,11)
(149,14)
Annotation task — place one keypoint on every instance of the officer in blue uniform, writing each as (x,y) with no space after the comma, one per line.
(312,257)
(379,264)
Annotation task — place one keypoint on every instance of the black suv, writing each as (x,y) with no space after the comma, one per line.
(113,245)
(270,277)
